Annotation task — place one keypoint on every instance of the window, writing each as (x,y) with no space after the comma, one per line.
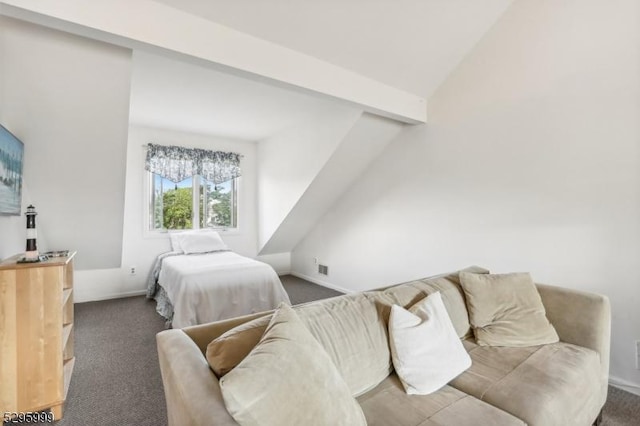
(218,204)
(192,188)
(192,203)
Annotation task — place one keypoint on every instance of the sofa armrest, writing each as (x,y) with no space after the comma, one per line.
(191,389)
(582,319)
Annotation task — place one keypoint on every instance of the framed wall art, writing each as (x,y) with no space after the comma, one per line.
(11,155)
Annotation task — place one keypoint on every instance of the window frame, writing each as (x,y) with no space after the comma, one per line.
(196,185)
(234,203)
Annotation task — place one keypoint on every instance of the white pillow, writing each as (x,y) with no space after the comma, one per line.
(425,349)
(200,241)
(174,237)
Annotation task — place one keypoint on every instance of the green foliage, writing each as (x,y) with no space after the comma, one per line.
(221,210)
(157,210)
(177,209)
(173,209)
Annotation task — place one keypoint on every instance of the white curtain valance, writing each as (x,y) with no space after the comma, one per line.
(177,163)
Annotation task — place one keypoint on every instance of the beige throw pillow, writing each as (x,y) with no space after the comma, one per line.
(228,350)
(506,310)
(288,379)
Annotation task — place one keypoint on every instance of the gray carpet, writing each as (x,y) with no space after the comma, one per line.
(622,408)
(302,291)
(117,378)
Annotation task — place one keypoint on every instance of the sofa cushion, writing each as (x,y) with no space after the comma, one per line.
(543,385)
(425,349)
(288,379)
(349,328)
(388,404)
(506,310)
(408,294)
(352,332)
(226,351)
(453,298)
(405,295)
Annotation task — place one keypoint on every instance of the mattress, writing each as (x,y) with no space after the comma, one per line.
(214,286)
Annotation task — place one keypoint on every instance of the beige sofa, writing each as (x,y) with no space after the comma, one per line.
(561,384)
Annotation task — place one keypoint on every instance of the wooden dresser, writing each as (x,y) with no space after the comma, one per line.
(36,334)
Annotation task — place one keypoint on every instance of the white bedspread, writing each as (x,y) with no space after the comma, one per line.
(215,286)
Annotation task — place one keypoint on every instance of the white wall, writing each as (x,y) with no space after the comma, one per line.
(67,99)
(364,142)
(140,247)
(290,160)
(530,162)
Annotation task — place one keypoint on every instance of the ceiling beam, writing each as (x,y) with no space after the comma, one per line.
(144,24)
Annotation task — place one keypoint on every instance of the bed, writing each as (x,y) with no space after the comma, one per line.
(196,288)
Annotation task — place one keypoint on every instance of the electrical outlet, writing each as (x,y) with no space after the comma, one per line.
(315,260)
(637,354)
(132,270)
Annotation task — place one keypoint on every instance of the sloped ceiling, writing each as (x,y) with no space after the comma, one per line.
(178,95)
(409,44)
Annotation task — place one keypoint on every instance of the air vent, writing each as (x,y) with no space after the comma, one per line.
(323,269)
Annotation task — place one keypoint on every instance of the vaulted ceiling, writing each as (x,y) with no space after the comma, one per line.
(408,44)
(178,95)
(386,57)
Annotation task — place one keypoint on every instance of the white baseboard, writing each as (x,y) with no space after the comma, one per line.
(624,385)
(321,283)
(110,296)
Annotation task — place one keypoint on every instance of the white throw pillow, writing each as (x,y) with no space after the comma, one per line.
(201,241)
(425,349)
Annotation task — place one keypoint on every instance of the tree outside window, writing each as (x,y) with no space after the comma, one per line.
(173,205)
